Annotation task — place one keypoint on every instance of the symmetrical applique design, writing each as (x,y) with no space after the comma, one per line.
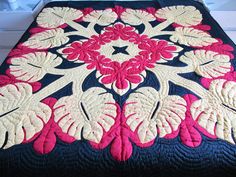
(119,67)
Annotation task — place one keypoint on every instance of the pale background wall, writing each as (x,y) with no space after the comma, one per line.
(212,4)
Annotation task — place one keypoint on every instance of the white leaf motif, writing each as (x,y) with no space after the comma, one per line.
(47,39)
(136,17)
(18,118)
(217,113)
(32,67)
(56,16)
(88,115)
(148,111)
(207,63)
(101,17)
(192,37)
(182,15)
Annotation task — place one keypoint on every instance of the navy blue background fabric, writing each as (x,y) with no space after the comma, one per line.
(164,158)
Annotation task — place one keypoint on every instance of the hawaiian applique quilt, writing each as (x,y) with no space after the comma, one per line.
(142,89)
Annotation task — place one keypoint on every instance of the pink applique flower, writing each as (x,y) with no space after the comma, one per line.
(81,51)
(99,40)
(138,39)
(119,31)
(157,49)
(143,62)
(120,74)
(98,62)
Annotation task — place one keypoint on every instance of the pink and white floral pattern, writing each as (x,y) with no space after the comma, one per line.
(120,110)
(120,71)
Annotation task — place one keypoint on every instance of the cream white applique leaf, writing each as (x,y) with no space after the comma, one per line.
(149,112)
(47,39)
(86,116)
(217,113)
(32,67)
(18,118)
(56,16)
(192,37)
(147,131)
(182,15)
(136,17)
(101,17)
(207,63)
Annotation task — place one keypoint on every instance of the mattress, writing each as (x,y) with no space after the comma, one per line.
(121,89)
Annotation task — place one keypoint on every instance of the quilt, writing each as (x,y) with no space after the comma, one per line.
(98,89)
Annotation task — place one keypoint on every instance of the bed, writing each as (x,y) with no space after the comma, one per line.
(98,89)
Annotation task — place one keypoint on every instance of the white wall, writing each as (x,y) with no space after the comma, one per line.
(226,5)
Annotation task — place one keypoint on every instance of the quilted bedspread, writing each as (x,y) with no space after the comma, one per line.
(119,89)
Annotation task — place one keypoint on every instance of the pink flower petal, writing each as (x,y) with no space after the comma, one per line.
(121,148)
(166,55)
(189,135)
(46,140)
(134,79)
(108,79)
(121,83)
